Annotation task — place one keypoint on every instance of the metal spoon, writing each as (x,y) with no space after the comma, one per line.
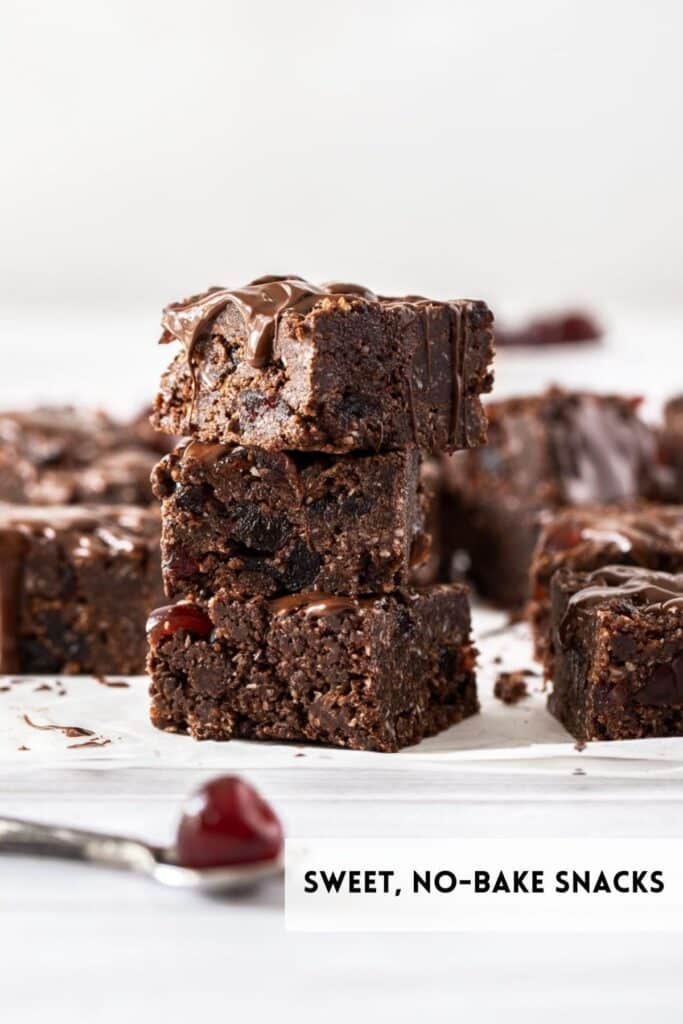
(33,839)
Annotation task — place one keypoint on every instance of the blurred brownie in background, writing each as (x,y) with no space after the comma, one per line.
(65,456)
(618,641)
(584,539)
(672,444)
(546,451)
(428,557)
(569,328)
(143,435)
(76,585)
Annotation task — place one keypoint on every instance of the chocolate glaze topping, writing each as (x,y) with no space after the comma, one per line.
(261,303)
(460,339)
(655,589)
(343,288)
(627,531)
(601,458)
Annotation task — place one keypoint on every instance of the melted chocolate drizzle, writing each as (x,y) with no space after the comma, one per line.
(654,589)
(342,288)
(71,731)
(96,741)
(260,303)
(460,339)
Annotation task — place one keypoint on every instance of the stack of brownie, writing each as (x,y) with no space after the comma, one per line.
(293,516)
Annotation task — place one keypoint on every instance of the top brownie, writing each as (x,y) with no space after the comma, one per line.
(285,364)
(65,456)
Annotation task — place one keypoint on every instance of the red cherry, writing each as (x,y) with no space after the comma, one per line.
(227,822)
(168,620)
(563,536)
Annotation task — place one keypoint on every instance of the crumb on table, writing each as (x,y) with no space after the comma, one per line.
(511,687)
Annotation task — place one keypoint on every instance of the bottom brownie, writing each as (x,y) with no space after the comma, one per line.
(375,673)
(618,640)
(76,585)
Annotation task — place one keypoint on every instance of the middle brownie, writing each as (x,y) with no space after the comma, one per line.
(251,522)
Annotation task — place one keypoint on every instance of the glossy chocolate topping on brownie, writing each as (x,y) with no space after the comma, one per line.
(626,531)
(661,589)
(263,301)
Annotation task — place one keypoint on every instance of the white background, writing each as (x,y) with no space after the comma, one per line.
(526,152)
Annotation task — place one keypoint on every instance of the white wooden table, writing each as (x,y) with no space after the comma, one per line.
(78,943)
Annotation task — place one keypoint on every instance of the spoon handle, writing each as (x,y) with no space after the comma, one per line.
(34,839)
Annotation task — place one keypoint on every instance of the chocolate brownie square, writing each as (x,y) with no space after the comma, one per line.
(76,585)
(376,673)
(255,522)
(547,451)
(583,539)
(284,364)
(618,638)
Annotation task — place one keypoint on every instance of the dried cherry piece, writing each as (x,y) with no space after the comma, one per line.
(228,822)
(563,536)
(168,620)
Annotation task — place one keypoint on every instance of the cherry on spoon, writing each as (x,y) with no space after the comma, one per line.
(228,839)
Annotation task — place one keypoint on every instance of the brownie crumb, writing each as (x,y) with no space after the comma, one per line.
(22,747)
(511,687)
